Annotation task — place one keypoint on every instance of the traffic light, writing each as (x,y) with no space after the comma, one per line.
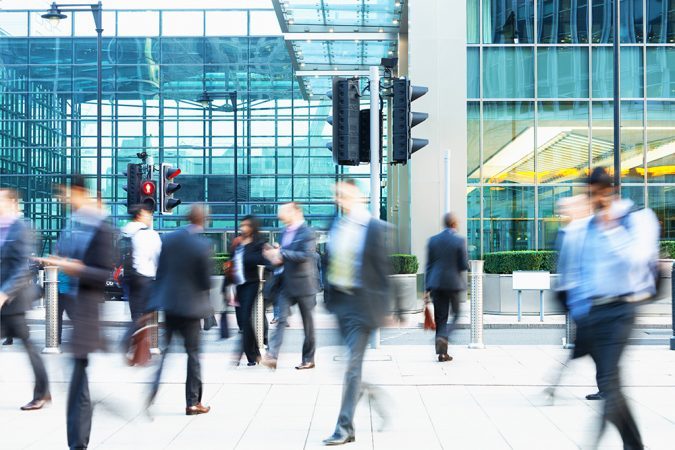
(364,135)
(345,121)
(167,187)
(403,119)
(133,186)
(148,194)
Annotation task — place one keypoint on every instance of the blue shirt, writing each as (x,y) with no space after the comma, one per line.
(349,234)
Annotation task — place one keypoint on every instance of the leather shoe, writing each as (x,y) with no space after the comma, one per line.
(37,404)
(269,362)
(8,341)
(306,365)
(338,439)
(444,357)
(197,409)
(596,396)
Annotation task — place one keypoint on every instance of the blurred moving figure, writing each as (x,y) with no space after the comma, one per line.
(85,255)
(297,256)
(139,248)
(247,255)
(356,290)
(182,291)
(606,262)
(446,260)
(17,291)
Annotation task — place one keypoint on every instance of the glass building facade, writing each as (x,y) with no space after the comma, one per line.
(155,65)
(540,112)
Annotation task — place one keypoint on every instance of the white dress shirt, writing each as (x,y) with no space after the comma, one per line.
(147,246)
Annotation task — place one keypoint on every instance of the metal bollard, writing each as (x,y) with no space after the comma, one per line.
(476,304)
(570,332)
(259,310)
(41,284)
(51,310)
(154,334)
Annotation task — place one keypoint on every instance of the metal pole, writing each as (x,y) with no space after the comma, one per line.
(236,170)
(447,181)
(154,334)
(259,311)
(375,157)
(476,304)
(52,310)
(99,100)
(617,98)
(570,332)
(41,283)
(672,301)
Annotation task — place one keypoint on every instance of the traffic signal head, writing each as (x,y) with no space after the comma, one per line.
(403,119)
(148,194)
(168,187)
(133,186)
(345,121)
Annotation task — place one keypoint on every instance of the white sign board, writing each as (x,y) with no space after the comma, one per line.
(531,280)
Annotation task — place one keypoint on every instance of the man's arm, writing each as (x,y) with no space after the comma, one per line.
(429,264)
(463,263)
(19,252)
(306,251)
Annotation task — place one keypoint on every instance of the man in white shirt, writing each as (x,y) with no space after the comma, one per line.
(140,247)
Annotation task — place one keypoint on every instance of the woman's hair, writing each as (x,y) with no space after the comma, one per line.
(255,225)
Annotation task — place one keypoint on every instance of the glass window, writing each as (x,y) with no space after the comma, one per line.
(562,72)
(508,21)
(661,72)
(137,23)
(473,21)
(631,21)
(634,193)
(563,21)
(182,23)
(473,141)
(473,72)
(602,23)
(85,26)
(661,142)
(509,213)
(14,24)
(508,72)
(549,221)
(264,23)
(661,21)
(631,72)
(226,23)
(632,143)
(508,142)
(662,201)
(473,223)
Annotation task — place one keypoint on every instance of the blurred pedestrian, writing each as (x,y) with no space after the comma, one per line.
(85,255)
(444,281)
(247,256)
(139,248)
(607,262)
(297,257)
(182,288)
(17,290)
(356,291)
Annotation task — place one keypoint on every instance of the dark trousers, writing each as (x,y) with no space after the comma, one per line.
(15,326)
(190,330)
(610,327)
(79,410)
(138,291)
(246,295)
(65,303)
(306,305)
(443,300)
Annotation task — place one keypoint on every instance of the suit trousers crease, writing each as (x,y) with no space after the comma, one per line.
(15,326)
(246,295)
(306,306)
(443,300)
(79,410)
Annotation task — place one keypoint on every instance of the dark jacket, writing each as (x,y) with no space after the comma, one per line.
(446,260)
(14,273)
(299,278)
(371,304)
(183,278)
(253,257)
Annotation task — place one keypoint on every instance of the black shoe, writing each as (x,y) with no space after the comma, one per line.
(338,439)
(444,357)
(596,396)
(8,341)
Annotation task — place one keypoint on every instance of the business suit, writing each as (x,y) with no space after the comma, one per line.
(360,307)
(299,284)
(90,241)
(15,283)
(182,290)
(446,260)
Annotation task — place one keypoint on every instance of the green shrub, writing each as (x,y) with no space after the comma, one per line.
(507,262)
(668,249)
(404,264)
(217,264)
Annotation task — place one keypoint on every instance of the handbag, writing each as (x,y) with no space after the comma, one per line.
(139,352)
(429,322)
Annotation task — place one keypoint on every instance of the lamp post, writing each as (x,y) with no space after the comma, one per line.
(55,15)
(205,99)
(617,96)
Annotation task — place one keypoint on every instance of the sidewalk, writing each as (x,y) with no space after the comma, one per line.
(484,399)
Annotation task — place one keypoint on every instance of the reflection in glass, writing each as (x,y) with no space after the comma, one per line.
(508,142)
(634,193)
(508,72)
(631,21)
(473,142)
(631,72)
(509,214)
(661,72)
(661,142)
(562,21)
(662,201)
(473,21)
(562,72)
(508,21)
(473,223)
(660,21)
(473,72)
(632,144)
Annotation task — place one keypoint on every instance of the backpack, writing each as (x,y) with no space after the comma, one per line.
(125,248)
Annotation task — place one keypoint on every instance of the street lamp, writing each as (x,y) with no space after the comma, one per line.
(55,15)
(205,99)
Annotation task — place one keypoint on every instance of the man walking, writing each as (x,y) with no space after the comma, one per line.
(16,290)
(182,291)
(356,290)
(446,260)
(140,246)
(297,256)
(86,257)
(607,262)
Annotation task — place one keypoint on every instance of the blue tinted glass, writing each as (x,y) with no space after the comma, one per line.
(661,141)
(562,72)
(662,201)
(661,21)
(473,21)
(473,72)
(510,211)
(508,21)
(631,72)
(473,142)
(508,72)
(661,72)
(562,22)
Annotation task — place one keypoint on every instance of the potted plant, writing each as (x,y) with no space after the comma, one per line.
(217,279)
(404,280)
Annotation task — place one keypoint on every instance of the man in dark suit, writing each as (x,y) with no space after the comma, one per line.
(357,291)
(16,290)
(444,281)
(182,290)
(299,285)
(86,257)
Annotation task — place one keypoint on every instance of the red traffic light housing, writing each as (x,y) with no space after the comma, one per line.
(148,191)
(148,188)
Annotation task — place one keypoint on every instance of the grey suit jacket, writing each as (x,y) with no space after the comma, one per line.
(183,278)
(446,260)
(14,273)
(299,277)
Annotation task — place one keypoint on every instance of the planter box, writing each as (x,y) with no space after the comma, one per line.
(404,297)
(500,298)
(215,295)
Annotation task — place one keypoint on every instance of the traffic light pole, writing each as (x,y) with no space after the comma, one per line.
(375,157)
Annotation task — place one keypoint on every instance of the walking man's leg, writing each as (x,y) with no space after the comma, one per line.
(79,408)
(441,301)
(306,305)
(193,383)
